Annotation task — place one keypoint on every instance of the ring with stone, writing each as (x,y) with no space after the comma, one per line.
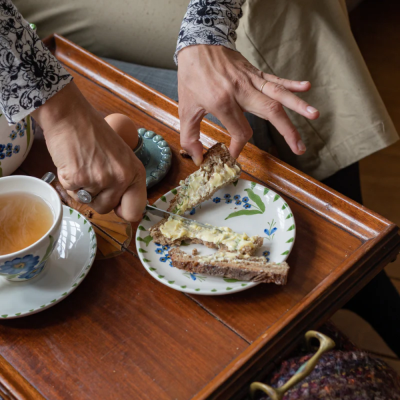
(84,196)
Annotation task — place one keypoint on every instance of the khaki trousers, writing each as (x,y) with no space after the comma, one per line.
(294,39)
(311,40)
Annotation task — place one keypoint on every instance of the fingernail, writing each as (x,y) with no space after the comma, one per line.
(304,83)
(311,110)
(301,146)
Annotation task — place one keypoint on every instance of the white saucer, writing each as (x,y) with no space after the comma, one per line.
(66,268)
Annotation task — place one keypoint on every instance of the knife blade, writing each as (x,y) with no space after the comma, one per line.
(165,214)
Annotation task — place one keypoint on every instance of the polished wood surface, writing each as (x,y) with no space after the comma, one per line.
(123,335)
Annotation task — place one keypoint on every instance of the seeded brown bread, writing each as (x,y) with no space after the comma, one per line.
(214,155)
(255,269)
(158,237)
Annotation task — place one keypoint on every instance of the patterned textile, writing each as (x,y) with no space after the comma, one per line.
(344,373)
(210,22)
(29,73)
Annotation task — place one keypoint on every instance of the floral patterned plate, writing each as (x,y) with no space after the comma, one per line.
(243,206)
(65,270)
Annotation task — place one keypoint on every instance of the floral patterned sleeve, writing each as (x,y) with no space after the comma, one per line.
(210,22)
(29,73)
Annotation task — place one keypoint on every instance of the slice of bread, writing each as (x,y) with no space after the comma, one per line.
(217,170)
(172,232)
(232,265)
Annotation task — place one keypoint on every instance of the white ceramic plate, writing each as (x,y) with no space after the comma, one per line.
(244,207)
(66,268)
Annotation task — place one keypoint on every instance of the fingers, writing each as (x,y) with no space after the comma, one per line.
(190,132)
(272,110)
(133,202)
(282,94)
(238,127)
(293,86)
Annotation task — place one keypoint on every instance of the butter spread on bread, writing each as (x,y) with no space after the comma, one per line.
(175,229)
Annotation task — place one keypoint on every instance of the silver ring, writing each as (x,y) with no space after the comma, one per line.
(262,86)
(84,196)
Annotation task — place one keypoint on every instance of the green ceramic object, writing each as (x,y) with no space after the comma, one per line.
(155,154)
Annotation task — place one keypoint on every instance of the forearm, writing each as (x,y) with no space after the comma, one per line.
(212,24)
(29,74)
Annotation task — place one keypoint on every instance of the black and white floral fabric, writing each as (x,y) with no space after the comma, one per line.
(210,22)
(29,73)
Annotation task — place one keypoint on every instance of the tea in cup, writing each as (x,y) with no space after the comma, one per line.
(30,223)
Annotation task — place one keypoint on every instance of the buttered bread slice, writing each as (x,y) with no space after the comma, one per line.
(217,170)
(172,231)
(232,265)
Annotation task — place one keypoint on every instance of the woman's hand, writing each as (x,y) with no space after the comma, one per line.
(89,155)
(216,80)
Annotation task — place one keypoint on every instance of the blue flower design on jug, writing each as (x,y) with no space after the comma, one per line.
(20,265)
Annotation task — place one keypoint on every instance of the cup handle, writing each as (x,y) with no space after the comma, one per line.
(325,344)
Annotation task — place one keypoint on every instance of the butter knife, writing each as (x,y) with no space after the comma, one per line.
(165,214)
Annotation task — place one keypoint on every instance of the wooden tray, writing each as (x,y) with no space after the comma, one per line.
(122,335)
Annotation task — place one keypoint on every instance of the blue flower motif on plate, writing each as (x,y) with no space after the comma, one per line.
(228,201)
(13,135)
(159,250)
(2,156)
(227,196)
(216,199)
(238,202)
(2,147)
(166,247)
(19,265)
(22,133)
(268,233)
(236,196)
(245,199)
(163,259)
(16,149)
(8,153)
(9,146)
(247,205)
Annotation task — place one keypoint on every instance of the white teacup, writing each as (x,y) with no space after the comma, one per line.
(30,262)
